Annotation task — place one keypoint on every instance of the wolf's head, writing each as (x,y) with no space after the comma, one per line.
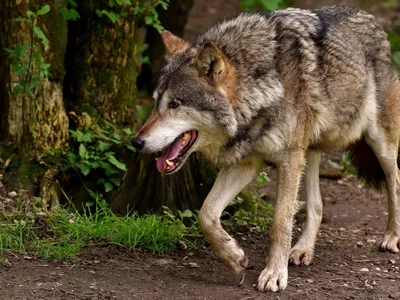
(194,97)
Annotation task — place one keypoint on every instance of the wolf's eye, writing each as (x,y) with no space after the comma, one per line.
(174,104)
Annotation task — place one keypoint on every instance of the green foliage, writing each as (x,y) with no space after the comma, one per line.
(26,60)
(262,178)
(249,209)
(268,5)
(69,13)
(143,112)
(61,234)
(143,10)
(94,152)
(187,219)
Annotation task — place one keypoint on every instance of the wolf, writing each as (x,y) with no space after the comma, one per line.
(280,88)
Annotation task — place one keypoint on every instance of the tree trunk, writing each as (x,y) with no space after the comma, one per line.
(38,122)
(31,125)
(101,63)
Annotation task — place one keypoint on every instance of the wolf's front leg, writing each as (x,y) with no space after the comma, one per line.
(230,181)
(275,275)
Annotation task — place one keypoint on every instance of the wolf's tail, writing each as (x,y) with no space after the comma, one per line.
(367,165)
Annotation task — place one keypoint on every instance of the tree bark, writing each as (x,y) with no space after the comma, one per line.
(101,63)
(38,123)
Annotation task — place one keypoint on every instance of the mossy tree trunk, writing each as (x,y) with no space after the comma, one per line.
(101,63)
(38,122)
(31,125)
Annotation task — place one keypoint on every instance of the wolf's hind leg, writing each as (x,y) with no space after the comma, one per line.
(229,182)
(303,251)
(386,151)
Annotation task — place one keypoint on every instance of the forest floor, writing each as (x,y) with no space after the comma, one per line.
(347,263)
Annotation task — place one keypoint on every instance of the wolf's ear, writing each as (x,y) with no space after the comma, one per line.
(173,44)
(211,62)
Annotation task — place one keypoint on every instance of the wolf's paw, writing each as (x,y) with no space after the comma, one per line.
(390,242)
(272,279)
(301,256)
(233,257)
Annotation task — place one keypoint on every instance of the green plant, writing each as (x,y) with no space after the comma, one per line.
(95,152)
(26,60)
(62,234)
(69,13)
(142,10)
(269,5)
(249,209)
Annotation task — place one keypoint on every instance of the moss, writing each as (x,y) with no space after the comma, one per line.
(31,171)
(5,153)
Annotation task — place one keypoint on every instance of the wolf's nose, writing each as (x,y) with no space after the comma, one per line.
(138,143)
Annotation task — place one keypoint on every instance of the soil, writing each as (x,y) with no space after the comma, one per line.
(353,224)
(347,263)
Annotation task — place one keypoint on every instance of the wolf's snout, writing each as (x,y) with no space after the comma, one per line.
(138,143)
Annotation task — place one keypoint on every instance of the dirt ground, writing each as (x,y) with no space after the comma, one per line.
(347,263)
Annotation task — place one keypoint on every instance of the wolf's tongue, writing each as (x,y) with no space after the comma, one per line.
(171,153)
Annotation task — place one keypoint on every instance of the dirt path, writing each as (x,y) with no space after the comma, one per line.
(353,215)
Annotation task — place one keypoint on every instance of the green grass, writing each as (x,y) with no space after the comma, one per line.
(60,234)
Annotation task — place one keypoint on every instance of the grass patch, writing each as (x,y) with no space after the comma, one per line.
(60,234)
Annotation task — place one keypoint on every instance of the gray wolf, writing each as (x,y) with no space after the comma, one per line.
(279,88)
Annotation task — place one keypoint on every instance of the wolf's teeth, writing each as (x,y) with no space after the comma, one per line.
(186,136)
(156,158)
(170,163)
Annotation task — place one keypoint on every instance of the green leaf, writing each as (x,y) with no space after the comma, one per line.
(164,4)
(82,151)
(131,148)
(187,214)
(108,169)
(38,59)
(108,186)
(72,158)
(86,137)
(110,14)
(69,14)
(115,162)
(89,203)
(9,51)
(30,14)
(148,20)
(103,146)
(19,68)
(33,83)
(39,33)
(128,131)
(116,181)
(17,89)
(271,5)
(84,168)
(44,10)
(72,3)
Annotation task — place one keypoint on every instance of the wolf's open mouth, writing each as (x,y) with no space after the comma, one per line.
(173,155)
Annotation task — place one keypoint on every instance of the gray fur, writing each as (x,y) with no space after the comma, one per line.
(282,88)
